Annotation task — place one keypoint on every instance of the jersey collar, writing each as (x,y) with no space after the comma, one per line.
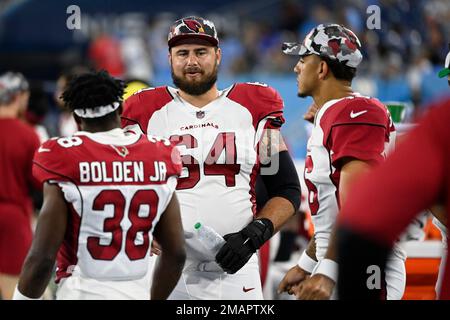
(115,136)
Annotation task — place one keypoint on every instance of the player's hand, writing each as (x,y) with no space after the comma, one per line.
(317,287)
(240,246)
(292,278)
(311,113)
(155,249)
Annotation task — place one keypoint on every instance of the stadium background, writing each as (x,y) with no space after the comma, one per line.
(401,59)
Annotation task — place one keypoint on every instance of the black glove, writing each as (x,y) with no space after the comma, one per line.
(240,246)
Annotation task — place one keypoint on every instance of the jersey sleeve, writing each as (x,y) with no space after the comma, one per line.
(361,137)
(263,102)
(139,108)
(362,142)
(51,162)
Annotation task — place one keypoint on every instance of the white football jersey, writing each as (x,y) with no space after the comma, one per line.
(114,199)
(219,149)
(356,127)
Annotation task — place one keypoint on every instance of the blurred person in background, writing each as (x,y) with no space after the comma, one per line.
(225,137)
(18,142)
(445,72)
(37,110)
(105,53)
(66,124)
(351,134)
(440,219)
(134,49)
(98,223)
(132,86)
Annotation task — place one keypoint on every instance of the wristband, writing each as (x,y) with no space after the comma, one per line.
(306,262)
(328,268)
(19,296)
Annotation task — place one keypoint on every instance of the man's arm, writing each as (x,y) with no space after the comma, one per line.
(48,237)
(169,265)
(320,286)
(281,180)
(439,213)
(311,113)
(301,271)
(352,169)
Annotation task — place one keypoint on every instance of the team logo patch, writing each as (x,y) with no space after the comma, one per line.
(121,150)
(194,26)
(200,114)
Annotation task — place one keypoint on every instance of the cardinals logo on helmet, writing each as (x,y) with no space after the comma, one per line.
(194,26)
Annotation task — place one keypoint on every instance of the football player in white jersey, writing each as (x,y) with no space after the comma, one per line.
(226,137)
(351,134)
(105,194)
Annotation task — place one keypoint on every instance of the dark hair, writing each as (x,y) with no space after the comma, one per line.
(38,105)
(91,90)
(339,70)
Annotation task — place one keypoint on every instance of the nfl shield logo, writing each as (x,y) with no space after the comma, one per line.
(200,114)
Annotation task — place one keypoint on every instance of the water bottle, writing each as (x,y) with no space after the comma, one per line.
(209,238)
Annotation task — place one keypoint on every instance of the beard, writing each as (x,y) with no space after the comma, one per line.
(196,87)
(302,95)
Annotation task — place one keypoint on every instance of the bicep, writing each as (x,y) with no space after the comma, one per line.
(52,221)
(169,230)
(351,170)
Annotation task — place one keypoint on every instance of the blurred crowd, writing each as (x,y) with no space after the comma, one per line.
(402,54)
(411,41)
(410,45)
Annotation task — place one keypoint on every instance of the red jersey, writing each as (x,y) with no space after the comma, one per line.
(414,178)
(355,127)
(116,187)
(18,142)
(219,148)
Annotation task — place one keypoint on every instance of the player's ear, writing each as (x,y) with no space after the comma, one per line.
(323,70)
(218,55)
(169,56)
